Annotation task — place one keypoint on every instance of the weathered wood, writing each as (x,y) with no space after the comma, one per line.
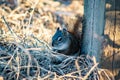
(112,51)
(116,36)
(93,29)
(112,35)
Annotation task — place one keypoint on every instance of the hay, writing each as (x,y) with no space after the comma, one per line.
(19,61)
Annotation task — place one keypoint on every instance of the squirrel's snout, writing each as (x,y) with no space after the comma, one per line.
(52,44)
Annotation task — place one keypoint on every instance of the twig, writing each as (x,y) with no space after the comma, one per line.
(85,78)
(7,25)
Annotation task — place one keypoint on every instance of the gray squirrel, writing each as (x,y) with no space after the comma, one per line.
(65,42)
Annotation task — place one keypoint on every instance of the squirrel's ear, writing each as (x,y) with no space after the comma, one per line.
(58,29)
(65,32)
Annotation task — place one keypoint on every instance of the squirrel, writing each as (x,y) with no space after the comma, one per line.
(64,42)
(67,39)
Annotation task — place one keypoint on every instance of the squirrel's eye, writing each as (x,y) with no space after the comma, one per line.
(59,38)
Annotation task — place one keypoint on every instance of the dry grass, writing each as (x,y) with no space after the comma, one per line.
(25,52)
(41,64)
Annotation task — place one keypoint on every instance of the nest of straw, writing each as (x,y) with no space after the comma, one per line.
(25,34)
(17,61)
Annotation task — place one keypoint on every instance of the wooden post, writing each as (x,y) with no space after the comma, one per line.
(93,29)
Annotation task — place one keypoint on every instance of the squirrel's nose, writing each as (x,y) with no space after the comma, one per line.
(52,44)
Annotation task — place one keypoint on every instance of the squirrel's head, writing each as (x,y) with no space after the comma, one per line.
(60,40)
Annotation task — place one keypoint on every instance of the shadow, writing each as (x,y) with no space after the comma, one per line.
(111,43)
(10,3)
(112,61)
(117,77)
(65,2)
(115,5)
(113,11)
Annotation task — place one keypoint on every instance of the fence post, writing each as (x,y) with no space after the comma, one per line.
(93,29)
